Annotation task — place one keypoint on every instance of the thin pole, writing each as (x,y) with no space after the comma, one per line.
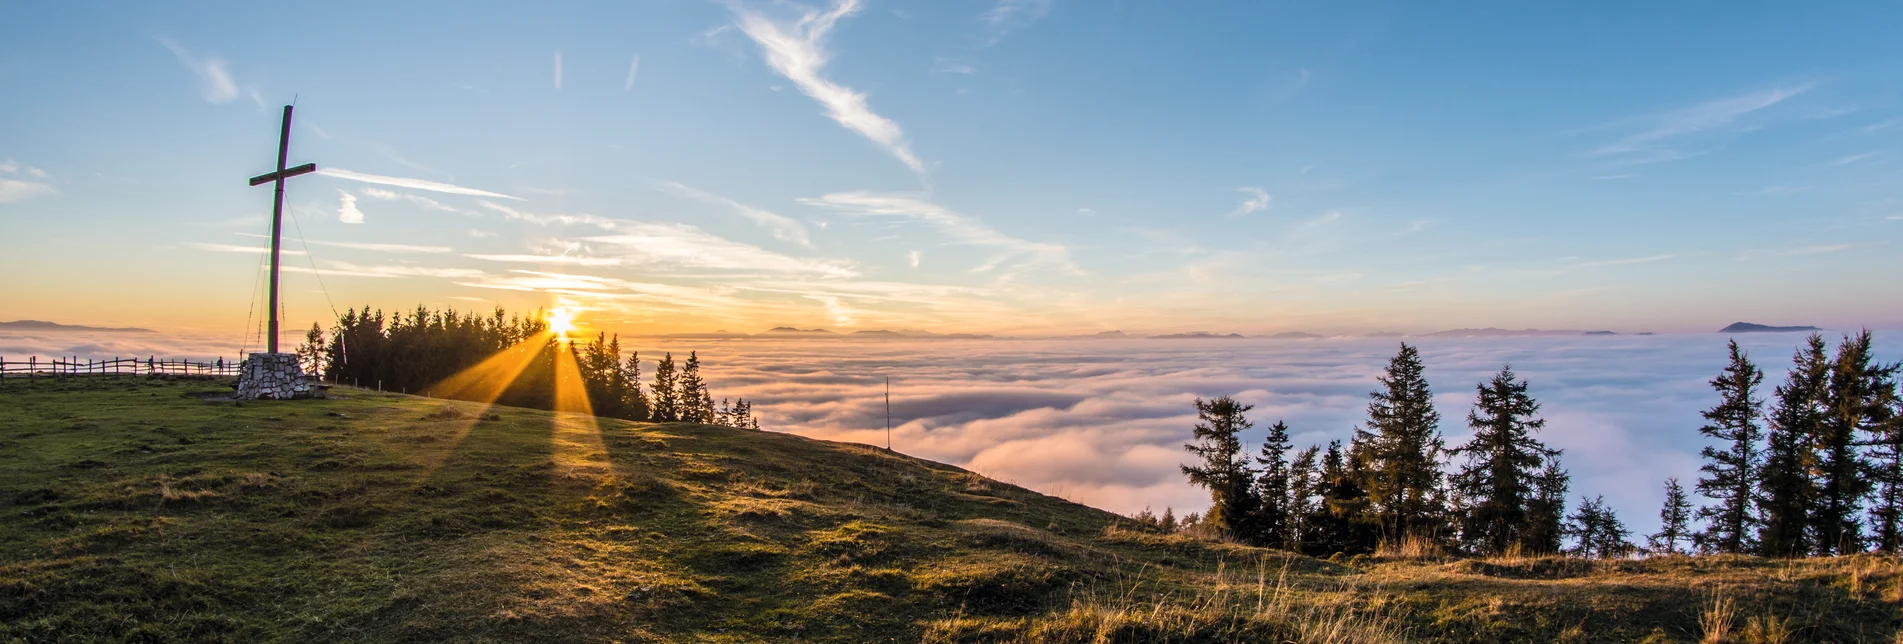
(277,223)
(888,413)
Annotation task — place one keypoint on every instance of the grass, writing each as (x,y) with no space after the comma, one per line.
(135,511)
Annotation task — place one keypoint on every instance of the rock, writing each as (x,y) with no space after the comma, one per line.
(275,376)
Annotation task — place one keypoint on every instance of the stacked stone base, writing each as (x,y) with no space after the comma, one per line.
(274,376)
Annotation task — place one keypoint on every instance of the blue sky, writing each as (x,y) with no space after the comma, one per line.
(1010,167)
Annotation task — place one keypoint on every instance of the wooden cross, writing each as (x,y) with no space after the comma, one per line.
(277,215)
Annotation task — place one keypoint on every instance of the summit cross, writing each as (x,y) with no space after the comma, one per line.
(277,215)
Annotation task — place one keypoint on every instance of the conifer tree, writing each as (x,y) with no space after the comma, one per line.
(1338,523)
(1597,530)
(1887,458)
(1401,448)
(637,405)
(1731,467)
(665,394)
(1302,486)
(1855,402)
(1224,470)
(1674,520)
(1273,488)
(1786,488)
(696,405)
(1506,470)
(1168,523)
(1546,511)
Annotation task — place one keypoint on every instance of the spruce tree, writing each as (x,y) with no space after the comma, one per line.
(1886,456)
(1338,523)
(637,402)
(665,394)
(1302,487)
(1674,520)
(1506,469)
(1598,532)
(1224,470)
(1168,523)
(1786,489)
(1546,511)
(1273,488)
(696,405)
(1854,403)
(1401,448)
(1731,467)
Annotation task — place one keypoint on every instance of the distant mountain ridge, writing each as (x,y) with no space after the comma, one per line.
(42,325)
(1748,327)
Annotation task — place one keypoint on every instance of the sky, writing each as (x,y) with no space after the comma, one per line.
(1021,167)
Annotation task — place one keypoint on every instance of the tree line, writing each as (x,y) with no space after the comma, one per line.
(1806,477)
(416,351)
(1818,473)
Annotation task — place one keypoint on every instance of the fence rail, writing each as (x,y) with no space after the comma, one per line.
(34,367)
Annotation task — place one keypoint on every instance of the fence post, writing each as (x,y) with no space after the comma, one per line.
(32,363)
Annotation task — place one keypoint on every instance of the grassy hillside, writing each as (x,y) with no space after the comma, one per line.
(136,511)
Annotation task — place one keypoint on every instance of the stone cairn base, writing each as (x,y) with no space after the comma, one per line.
(274,376)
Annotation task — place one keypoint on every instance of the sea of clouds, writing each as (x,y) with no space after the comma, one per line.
(1103,422)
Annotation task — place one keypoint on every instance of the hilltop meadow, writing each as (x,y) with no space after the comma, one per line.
(140,510)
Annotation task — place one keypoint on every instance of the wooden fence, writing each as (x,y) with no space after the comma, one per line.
(34,367)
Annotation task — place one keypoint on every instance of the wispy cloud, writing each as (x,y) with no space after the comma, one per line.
(1257,200)
(381,248)
(1007,16)
(1649,143)
(797,51)
(1847,160)
(214,74)
(347,211)
(229,248)
(549,220)
(411,183)
(783,227)
(1624,261)
(1782,190)
(634,67)
(426,202)
(913,257)
(408,271)
(558,70)
(682,247)
(957,226)
(1817,250)
(568,260)
(14,188)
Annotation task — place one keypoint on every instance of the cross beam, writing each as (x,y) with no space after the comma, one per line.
(277,216)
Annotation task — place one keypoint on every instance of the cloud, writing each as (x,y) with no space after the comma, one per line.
(1817,250)
(228,248)
(426,202)
(796,50)
(1258,200)
(783,227)
(414,184)
(1627,260)
(214,74)
(550,259)
(382,248)
(1648,144)
(1847,160)
(634,67)
(913,257)
(13,189)
(1782,190)
(1007,16)
(549,220)
(957,226)
(558,70)
(680,247)
(347,211)
(407,271)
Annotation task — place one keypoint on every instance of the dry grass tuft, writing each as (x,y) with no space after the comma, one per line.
(1717,618)
(1414,547)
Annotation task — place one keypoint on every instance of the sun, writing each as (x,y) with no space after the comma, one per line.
(561,321)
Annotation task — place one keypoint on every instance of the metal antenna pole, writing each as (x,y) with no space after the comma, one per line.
(888,413)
